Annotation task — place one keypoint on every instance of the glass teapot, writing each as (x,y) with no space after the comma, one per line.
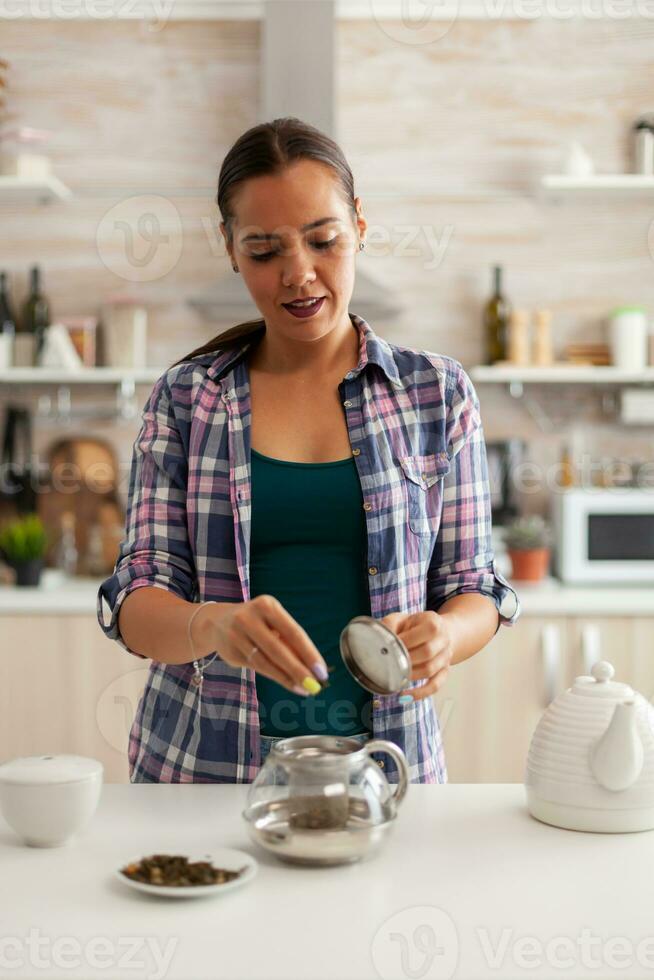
(322,800)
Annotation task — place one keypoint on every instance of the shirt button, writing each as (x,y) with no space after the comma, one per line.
(376,703)
(372,570)
(367,506)
(356,452)
(348,404)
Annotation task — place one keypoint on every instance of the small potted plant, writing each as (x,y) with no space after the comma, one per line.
(23,543)
(527,542)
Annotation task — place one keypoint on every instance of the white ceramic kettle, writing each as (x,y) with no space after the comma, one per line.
(591,759)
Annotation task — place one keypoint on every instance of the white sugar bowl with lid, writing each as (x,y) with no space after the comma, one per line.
(591,759)
(47,799)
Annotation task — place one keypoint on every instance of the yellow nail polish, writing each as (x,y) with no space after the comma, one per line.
(311,685)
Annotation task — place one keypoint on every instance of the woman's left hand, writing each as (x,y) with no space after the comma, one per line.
(428,639)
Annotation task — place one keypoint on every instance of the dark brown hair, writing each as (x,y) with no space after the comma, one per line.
(267,149)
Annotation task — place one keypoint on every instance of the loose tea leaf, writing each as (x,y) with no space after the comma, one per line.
(319,812)
(175,869)
(325,684)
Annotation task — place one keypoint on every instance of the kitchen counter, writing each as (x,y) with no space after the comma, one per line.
(467,873)
(79,595)
(55,594)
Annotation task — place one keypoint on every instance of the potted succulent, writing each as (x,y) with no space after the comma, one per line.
(527,541)
(23,543)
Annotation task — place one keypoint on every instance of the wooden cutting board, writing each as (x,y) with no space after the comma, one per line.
(83,479)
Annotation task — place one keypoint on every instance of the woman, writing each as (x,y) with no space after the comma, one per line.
(292,473)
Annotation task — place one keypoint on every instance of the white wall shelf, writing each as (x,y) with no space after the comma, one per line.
(159,12)
(44,190)
(97,375)
(562,373)
(606,185)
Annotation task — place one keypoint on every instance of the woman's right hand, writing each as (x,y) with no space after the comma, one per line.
(285,652)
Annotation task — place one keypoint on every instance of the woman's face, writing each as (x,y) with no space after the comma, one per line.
(282,259)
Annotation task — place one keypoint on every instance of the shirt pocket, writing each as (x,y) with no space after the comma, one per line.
(423,476)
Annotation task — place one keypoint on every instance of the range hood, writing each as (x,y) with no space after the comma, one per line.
(296,79)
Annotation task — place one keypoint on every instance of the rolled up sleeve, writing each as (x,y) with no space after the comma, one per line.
(155,550)
(463,559)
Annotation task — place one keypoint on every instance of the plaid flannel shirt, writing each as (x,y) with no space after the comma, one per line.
(416,433)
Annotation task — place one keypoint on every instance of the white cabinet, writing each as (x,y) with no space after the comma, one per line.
(64,687)
(491,703)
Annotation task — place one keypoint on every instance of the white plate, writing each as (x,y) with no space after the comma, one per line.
(223,857)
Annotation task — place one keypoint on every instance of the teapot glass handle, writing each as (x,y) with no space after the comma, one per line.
(382,745)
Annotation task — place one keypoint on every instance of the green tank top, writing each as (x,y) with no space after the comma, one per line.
(308,548)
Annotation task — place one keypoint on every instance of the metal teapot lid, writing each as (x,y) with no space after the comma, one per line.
(375,656)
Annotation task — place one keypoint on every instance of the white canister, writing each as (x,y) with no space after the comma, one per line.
(125,329)
(6,350)
(628,338)
(47,799)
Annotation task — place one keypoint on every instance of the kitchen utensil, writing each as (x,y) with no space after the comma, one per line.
(321,799)
(47,799)
(504,458)
(17,490)
(644,144)
(628,338)
(225,857)
(591,759)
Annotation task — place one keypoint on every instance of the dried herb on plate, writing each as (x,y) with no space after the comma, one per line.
(175,869)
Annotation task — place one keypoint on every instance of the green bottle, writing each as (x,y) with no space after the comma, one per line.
(496,321)
(36,313)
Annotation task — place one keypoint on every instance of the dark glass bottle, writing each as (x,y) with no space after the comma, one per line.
(496,321)
(36,312)
(7,318)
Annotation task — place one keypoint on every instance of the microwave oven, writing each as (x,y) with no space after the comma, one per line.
(604,535)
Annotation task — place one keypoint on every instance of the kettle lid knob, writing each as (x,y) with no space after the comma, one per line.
(602,671)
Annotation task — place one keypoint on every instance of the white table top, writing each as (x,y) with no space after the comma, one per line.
(466,868)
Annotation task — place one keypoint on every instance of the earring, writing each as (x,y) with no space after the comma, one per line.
(362,245)
(235,268)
